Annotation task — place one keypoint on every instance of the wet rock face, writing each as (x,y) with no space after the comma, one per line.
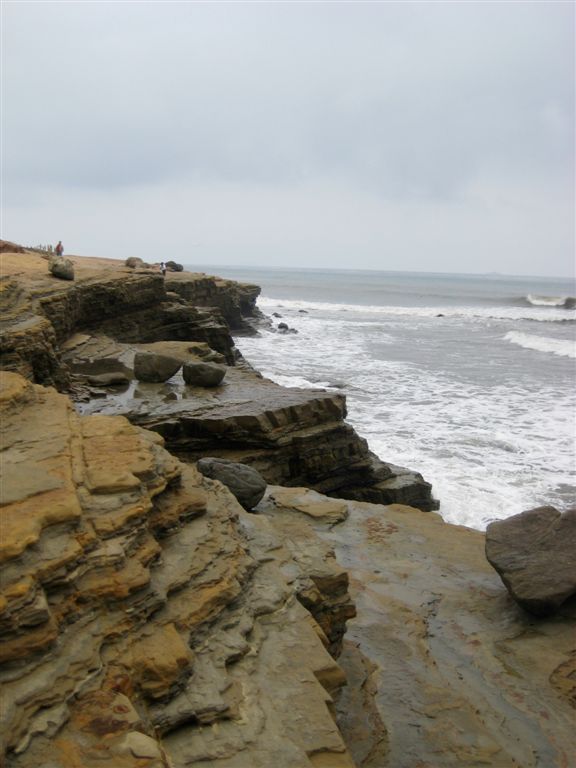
(443,669)
(247,485)
(143,613)
(535,555)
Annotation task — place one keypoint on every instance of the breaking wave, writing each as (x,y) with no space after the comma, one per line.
(562,347)
(568,302)
(543,313)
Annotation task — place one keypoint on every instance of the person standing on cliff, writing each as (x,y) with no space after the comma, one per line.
(163,268)
(59,250)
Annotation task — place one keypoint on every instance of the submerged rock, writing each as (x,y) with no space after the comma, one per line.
(247,485)
(534,554)
(285,328)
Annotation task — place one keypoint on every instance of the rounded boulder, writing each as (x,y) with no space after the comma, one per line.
(245,483)
(203,374)
(155,368)
(61,267)
(134,262)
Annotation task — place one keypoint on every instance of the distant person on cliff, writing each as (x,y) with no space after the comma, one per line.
(163,268)
(59,250)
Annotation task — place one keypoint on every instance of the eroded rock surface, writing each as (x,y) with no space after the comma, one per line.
(144,617)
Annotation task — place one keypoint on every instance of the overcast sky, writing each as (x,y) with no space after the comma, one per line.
(431,136)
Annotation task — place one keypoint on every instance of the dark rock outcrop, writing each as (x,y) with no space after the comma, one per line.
(245,483)
(285,328)
(291,436)
(534,554)
(236,301)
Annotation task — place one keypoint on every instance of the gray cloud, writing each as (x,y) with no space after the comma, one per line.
(453,120)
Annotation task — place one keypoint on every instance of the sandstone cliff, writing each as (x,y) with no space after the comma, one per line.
(39,312)
(141,606)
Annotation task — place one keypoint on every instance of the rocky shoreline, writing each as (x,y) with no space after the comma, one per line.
(148,620)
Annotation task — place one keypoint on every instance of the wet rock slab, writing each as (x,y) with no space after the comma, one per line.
(452,672)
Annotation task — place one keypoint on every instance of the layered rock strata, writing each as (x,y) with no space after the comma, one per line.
(236,301)
(290,436)
(39,312)
(145,618)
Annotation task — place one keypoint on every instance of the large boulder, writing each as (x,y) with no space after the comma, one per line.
(61,267)
(134,262)
(173,266)
(246,483)
(203,374)
(151,367)
(534,554)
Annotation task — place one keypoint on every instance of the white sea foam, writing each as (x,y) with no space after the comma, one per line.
(455,401)
(545,313)
(562,347)
(297,382)
(547,301)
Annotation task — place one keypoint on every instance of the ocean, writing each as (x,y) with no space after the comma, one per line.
(468,379)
